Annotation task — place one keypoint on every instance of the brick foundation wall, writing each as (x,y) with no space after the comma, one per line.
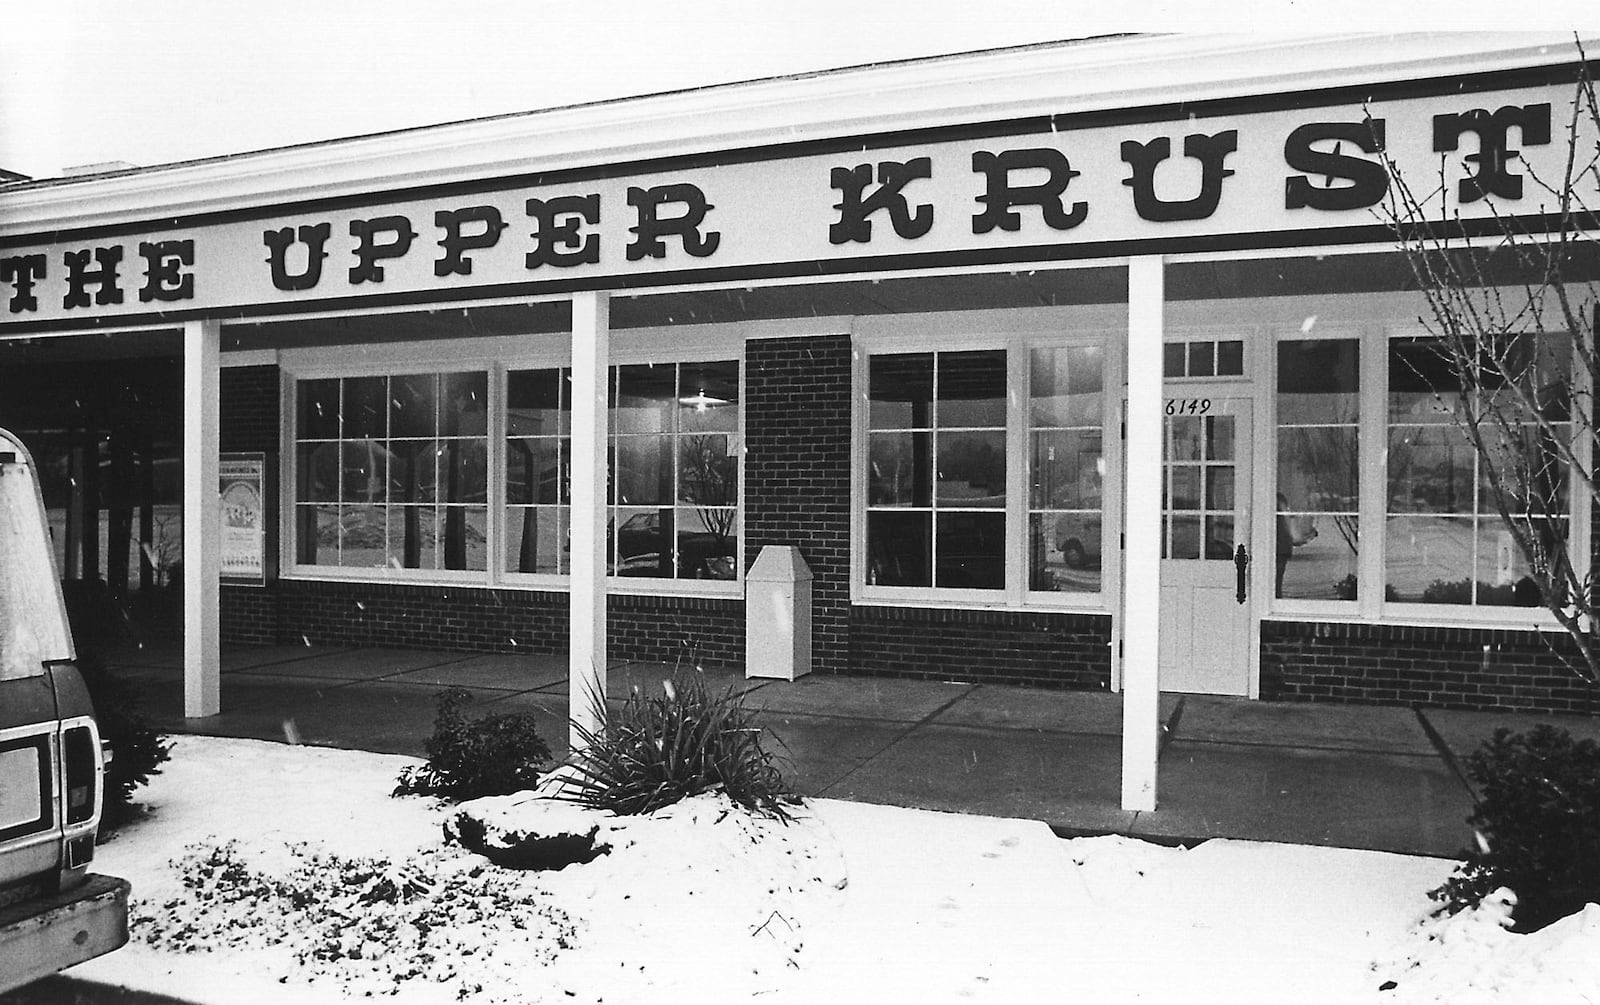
(477,619)
(1466,668)
(1032,648)
(797,473)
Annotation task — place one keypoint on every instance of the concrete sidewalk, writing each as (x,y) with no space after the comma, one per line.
(1360,777)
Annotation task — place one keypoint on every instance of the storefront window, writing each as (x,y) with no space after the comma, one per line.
(674,471)
(1067,469)
(1317,535)
(392,471)
(1446,541)
(936,507)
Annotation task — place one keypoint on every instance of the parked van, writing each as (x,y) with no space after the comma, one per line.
(53,911)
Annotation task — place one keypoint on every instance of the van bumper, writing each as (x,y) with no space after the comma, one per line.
(41,936)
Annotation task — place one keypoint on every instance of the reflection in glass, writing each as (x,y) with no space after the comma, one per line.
(365,408)
(970,550)
(900,391)
(1183,438)
(972,388)
(364,471)
(706,474)
(1064,552)
(900,469)
(642,472)
(413,405)
(537,402)
(362,536)
(642,542)
(1065,386)
(899,548)
(1172,357)
(1427,559)
(317,409)
(708,397)
(972,469)
(413,537)
(317,472)
(1219,487)
(1219,437)
(464,404)
(1314,562)
(1319,468)
(536,539)
(1185,537)
(1067,469)
(1219,537)
(1430,470)
(708,543)
(1185,487)
(646,399)
(1318,382)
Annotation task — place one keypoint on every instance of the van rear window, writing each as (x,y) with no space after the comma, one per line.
(24,786)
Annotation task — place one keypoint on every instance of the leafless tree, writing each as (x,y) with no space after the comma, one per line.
(1511,318)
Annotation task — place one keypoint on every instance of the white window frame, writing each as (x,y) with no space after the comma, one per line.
(339,365)
(1322,610)
(1016,332)
(1465,615)
(630,347)
(496,356)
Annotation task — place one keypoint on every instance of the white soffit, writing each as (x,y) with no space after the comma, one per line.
(1057,78)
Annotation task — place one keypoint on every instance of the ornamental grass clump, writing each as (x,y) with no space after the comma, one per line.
(653,751)
(493,755)
(1539,825)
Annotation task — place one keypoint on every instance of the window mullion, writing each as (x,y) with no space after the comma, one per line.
(1373,495)
(1018,452)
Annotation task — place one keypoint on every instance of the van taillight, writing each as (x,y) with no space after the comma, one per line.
(78,751)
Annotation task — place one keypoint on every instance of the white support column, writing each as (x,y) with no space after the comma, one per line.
(1141,684)
(586,654)
(202,519)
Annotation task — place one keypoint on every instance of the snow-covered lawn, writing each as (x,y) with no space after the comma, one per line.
(272,873)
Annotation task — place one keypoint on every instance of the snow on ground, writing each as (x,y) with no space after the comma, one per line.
(271,873)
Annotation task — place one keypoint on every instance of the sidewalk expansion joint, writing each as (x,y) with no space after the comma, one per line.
(910,728)
(1445,753)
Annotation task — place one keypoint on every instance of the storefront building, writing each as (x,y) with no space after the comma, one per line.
(1054,363)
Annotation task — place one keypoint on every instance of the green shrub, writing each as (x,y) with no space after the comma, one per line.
(652,752)
(494,755)
(137,750)
(1539,816)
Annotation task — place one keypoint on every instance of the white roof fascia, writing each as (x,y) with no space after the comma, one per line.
(1064,78)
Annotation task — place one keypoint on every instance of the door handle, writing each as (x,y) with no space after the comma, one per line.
(1241,562)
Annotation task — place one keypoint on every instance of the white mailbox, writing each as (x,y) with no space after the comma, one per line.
(777,615)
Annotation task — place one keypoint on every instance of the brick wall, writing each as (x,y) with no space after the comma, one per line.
(797,473)
(1401,665)
(1037,649)
(478,619)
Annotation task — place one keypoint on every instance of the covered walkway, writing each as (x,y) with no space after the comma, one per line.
(1365,777)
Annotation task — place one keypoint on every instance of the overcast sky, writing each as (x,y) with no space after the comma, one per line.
(156,81)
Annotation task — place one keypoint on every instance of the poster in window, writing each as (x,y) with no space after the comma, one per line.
(242,480)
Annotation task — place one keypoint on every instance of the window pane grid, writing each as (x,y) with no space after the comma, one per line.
(1446,540)
(368,497)
(936,496)
(673,462)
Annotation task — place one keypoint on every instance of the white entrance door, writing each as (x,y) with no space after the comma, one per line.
(1205,524)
